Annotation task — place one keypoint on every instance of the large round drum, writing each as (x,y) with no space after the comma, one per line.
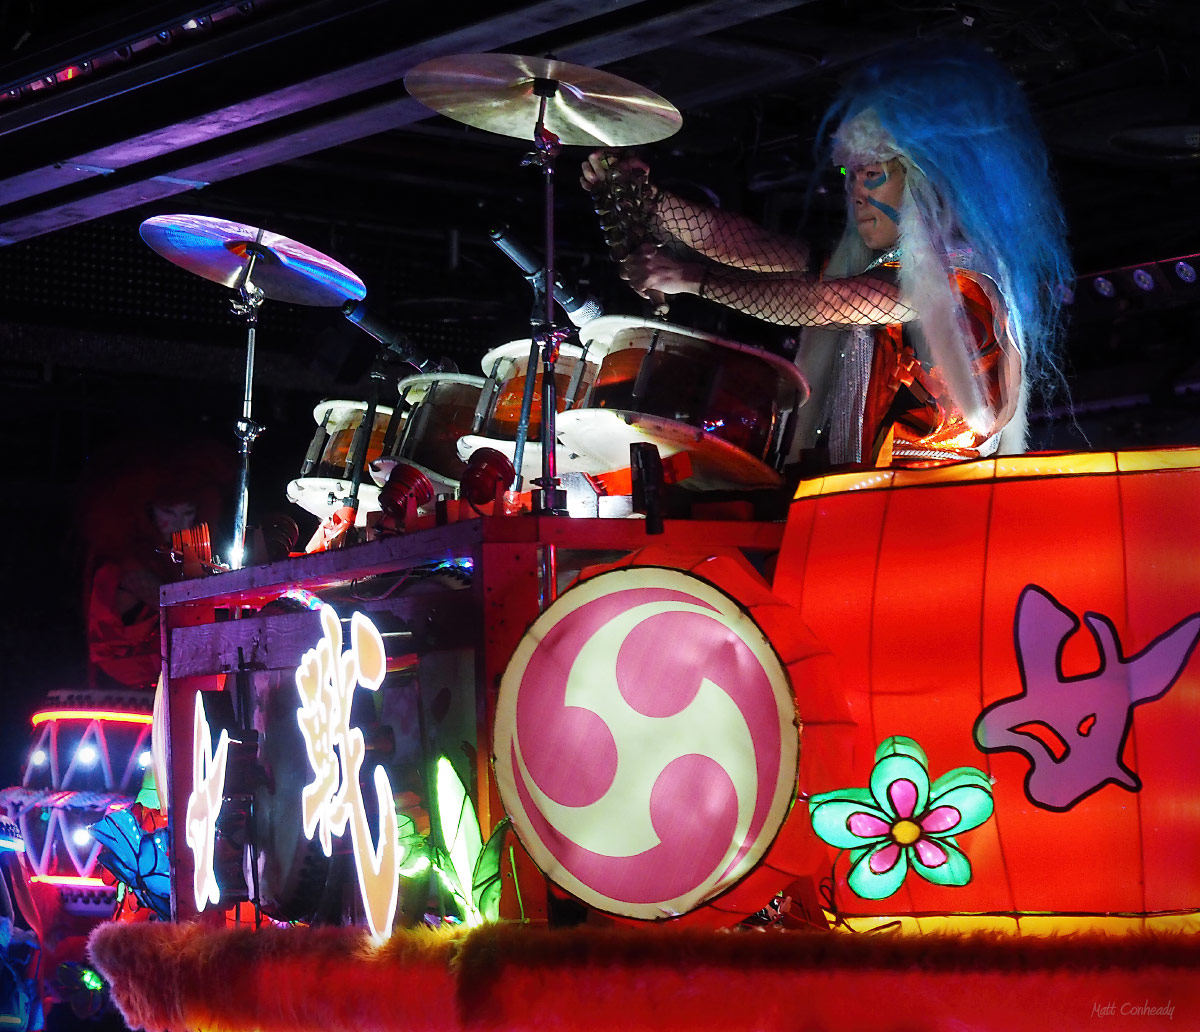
(442,407)
(731,407)
(325,478)
(508,368)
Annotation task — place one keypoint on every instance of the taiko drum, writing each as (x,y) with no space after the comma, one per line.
(1033,617)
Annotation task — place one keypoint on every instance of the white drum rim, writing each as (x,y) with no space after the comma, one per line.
(368,496)
(712,457)
(428,379)
(566,461)
(518,350)
(344,407)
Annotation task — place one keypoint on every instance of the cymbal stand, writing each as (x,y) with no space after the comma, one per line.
(247,303)
(550,500)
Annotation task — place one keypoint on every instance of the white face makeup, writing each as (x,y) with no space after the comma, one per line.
(171,518)
(876,191)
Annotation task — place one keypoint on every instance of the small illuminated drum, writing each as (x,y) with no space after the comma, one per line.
(442,407)
(508,368)
(730,406)
(325,477)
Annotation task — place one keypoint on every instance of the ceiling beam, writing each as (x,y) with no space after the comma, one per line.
(157,164)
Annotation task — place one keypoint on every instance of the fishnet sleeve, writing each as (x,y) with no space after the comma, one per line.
(871,299)
(726,237)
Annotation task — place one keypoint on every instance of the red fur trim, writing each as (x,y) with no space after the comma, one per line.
(181,977)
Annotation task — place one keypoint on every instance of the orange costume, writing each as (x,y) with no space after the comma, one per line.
(908,418)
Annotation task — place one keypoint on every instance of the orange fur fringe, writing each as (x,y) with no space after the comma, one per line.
(177,978)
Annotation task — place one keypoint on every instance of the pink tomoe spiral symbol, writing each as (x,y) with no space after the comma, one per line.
(645,742)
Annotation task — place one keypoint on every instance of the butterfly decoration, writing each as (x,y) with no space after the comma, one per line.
(136,853)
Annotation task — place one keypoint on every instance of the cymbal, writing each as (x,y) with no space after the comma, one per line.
(496,92)
(284,270)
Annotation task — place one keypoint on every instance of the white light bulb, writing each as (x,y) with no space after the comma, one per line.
(38,758)
(87,755)
(144,759)
(81,836)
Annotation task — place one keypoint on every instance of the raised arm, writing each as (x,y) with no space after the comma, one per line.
(724,237)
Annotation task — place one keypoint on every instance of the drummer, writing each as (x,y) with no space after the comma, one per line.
(939,307)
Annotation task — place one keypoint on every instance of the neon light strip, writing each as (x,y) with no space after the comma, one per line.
(72,881)
(120,716)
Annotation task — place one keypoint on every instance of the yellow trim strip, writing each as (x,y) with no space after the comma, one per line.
(1039,925)
(1066,464)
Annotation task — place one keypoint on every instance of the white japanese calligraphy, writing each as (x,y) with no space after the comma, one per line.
(204,806)
(326,679)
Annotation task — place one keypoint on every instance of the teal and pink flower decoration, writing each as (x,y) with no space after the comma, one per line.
(902,821)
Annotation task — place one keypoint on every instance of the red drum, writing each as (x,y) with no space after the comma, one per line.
(507,367)
(321,488)
(442,407)
(730,406)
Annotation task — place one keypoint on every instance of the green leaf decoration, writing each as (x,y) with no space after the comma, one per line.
(459,829)
(486,882)
(148,794)
(414,858)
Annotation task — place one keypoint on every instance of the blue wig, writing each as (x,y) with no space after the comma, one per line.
(958,116)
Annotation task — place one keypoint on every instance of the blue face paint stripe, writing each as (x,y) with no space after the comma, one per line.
(875,182)
(887,209)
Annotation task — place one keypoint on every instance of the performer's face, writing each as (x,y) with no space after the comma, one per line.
(172,518)
(876,192)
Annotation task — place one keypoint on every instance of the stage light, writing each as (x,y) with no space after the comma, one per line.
(1143,280)
(38,758)
(70,881)
(120,716)
(1185,271)
(488,472)
(81,836)
(87,755)
(10,836)
(1104,286)
(72,72)
(305,598)
(406,486)
(145,759)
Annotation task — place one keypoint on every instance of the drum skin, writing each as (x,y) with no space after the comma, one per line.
(795,652)
(915,581)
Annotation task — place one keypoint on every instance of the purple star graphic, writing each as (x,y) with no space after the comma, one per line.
(1073,729)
